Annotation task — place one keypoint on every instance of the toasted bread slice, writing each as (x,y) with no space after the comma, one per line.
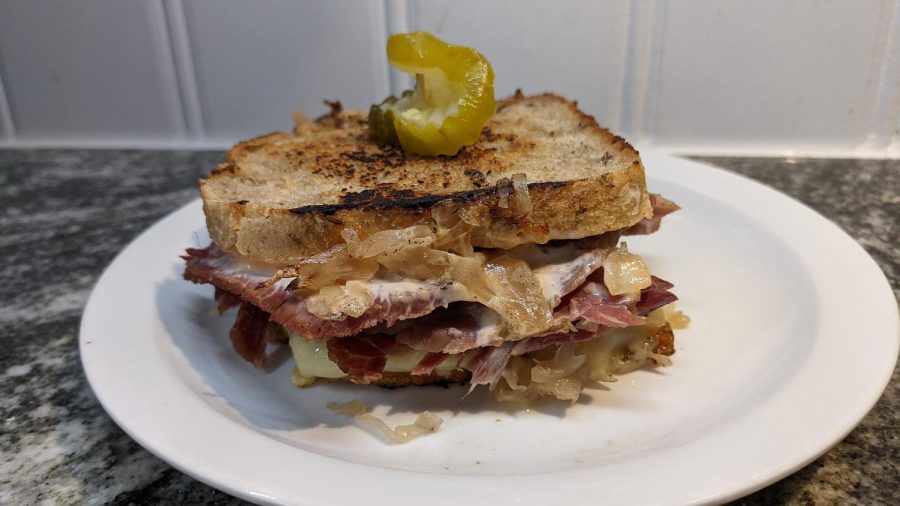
(283,197)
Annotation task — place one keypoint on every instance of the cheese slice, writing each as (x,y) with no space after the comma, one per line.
(311,361)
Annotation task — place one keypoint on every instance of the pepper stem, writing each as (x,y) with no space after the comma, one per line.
(420,87)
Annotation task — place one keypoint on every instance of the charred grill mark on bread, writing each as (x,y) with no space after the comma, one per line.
(385,197)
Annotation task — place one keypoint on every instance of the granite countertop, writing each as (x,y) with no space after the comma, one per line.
(67,213)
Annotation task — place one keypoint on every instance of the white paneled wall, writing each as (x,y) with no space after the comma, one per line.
(252,69)
(801,74)
(88,72)
(805,77)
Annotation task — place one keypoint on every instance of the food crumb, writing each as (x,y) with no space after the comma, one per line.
(425,423)
(678,320)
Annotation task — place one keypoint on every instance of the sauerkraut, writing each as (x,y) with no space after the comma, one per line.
(426,423)
(508,286)
(336,302)
(387,242)
(677,319)
(513,195)
(625,273)
(563,371)
(327,268)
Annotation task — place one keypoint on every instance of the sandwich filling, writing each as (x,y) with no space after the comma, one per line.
(530,321)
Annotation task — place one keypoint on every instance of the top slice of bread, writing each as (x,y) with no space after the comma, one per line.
(284,196)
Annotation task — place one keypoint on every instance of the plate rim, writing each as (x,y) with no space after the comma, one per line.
(92,317)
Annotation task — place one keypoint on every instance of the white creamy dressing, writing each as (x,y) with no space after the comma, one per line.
(488,328)
(400,287)
(554,267)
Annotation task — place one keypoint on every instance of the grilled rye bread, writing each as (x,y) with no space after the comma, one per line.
(283,197)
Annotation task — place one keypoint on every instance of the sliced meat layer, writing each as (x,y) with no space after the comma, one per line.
(538,343)
(463,326)
(487,365)
(429,363)
(661,208)
(451,330)
(248,334)
(212,265)
(655,296)
(593,302)
(226,300)
(362,357)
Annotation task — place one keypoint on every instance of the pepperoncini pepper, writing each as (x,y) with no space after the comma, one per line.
(452,101)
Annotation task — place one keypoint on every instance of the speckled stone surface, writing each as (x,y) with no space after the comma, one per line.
(65,215)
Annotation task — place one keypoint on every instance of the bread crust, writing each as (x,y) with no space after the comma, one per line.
(283,197)
(401,379)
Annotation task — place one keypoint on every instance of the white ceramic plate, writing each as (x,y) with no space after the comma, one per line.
(794,337)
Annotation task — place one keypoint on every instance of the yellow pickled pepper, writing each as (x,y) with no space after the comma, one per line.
(453,99)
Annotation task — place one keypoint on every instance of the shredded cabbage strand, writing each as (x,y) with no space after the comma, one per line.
(426,423)
(625,272)
(336,302)
(327,268)
(563,372)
